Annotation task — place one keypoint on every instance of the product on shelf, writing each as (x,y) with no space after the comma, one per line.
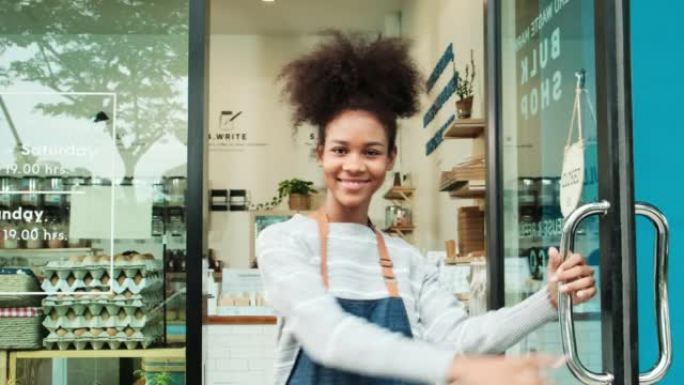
(20,328)
(83,313)
(18,280)
(470,231)
(135,274)
(20,315)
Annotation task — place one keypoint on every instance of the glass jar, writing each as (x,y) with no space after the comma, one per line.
(9,232)
(175,186)
(403,217)
(32,236)
(54,184)
(176,225)
(157,225)
(55,237)
(158,194)
(527,192)
(7,184)
(31,184)
(391,215)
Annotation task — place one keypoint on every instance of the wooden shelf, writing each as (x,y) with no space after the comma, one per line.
(463,190)
(240,320)
(465,129)
(105,353)
(399,193)
(64,250)
(400,230)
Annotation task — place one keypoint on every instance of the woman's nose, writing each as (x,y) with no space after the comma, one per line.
(354,163)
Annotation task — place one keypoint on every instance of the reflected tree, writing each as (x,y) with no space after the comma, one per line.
(135,48)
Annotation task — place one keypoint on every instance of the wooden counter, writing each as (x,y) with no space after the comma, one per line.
(239,320)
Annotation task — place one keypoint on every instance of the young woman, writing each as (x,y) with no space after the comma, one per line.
(357,306)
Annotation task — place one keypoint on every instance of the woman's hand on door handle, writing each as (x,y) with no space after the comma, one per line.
(573,276)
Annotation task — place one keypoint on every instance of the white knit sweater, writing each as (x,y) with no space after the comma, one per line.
(310,318)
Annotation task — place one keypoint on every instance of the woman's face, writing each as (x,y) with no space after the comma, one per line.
(355,158)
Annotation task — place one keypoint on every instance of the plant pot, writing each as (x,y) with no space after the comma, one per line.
(299,202)
(464,107)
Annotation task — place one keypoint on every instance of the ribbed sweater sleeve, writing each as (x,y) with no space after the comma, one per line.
(446,323)
(328,334)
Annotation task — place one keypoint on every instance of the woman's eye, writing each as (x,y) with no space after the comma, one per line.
(373,153)
(339,150)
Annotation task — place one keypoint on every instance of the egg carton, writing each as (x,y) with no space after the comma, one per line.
(119,286)
(137,287)
(111,338)
(121,320)
(94,304)
(151,330)
(101,343)
(96,269)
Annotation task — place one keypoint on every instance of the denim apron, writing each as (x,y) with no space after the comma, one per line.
(386,312)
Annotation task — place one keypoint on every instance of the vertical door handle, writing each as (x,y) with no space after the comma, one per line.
(662,246)
(567,325)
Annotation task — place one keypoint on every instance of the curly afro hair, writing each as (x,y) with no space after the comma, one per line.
(351,72)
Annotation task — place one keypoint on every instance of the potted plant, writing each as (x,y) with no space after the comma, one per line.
(464,90)
(299,192)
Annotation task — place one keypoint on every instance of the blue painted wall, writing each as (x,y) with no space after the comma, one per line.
(658,103)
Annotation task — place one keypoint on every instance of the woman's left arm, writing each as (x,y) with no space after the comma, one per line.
(446,322)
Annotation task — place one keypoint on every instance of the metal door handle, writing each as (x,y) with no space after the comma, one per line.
(565,302)
(661,297)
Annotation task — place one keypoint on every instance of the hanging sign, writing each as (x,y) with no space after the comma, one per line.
(572,177)
(572,174)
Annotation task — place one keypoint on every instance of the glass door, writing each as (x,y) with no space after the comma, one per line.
(564,95)
(93,176)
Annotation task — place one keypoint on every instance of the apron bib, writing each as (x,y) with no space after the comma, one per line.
(388,312)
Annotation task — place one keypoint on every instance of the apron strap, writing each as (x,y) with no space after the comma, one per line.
(385,260)
(323,230)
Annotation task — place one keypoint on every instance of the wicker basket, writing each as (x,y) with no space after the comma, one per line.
(21,332)
(18,280)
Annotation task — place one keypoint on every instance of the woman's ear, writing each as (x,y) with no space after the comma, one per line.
(319,154)
(392,157)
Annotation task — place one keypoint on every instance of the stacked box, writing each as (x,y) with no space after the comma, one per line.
(88,309)
(470,231)
(95,272)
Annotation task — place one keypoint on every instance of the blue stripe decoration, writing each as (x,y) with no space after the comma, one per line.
(447,56)
(444,95)
(437,139)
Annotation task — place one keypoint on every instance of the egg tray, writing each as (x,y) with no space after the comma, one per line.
(151,330)
(96,303)
(64,286)
(98,343)
(97,268)
(129,317)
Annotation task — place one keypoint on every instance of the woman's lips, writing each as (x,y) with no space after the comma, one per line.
(353,184)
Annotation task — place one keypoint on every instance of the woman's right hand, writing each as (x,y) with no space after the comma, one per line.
(497,370)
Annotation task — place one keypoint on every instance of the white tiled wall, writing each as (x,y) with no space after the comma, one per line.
(240,354)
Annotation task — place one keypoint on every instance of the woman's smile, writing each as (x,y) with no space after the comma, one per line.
(353,184)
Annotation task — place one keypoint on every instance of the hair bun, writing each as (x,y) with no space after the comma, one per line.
(352,71)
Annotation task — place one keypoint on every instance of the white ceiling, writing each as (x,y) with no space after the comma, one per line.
(299,16)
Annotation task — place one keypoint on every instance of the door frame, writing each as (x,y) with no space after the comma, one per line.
(615,167)
(196,213)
